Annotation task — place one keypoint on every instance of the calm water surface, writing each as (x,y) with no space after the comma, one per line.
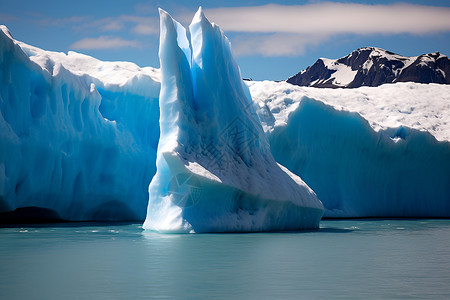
(351,259)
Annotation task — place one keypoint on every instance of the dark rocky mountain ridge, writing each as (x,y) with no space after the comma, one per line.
(372,66)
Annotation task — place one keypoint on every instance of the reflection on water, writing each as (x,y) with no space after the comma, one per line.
(343,259)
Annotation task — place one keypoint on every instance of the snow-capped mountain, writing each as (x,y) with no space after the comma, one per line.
(372,66)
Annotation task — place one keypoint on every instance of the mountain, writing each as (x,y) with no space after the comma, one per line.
(372,66)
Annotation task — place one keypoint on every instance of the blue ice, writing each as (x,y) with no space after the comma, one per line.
(215,170)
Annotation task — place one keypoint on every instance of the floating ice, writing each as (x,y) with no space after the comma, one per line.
(215,171)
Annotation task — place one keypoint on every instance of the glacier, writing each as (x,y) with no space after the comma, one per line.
(367,152)
(78,136)
(79,139)
(215,170)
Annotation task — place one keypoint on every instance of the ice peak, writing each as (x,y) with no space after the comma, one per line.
(199,16)
(170,27)
(164,16)
(6,31)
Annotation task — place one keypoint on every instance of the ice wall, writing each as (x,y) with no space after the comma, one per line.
(73,140)
(355,170)
(215,171)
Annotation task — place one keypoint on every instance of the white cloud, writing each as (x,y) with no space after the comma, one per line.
(333,18)
(6,18)
(277,44)
(104,42)
(64,21)
(142,25)
(135,24)
(280,30)
(111,24)
(145,29)
(101,25)
(139,25)
(273,29)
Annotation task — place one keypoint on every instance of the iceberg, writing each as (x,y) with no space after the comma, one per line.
(78,136)
(367,152)
(215,170)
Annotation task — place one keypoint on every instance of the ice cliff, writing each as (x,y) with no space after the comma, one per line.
(366,152)
(78,136)
(215,171)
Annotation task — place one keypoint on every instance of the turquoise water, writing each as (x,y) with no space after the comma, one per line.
(351,259)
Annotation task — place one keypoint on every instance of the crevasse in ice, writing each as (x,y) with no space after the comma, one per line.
(215,170)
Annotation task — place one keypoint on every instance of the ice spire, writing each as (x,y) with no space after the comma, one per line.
(215,171)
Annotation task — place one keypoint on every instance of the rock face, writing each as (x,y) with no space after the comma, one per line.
(373,67)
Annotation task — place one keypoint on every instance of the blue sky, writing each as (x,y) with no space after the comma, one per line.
(271,39)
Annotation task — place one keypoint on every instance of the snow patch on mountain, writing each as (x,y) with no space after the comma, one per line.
(372,66)
(343,75)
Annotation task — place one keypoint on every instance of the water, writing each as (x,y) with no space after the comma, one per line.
(351,259)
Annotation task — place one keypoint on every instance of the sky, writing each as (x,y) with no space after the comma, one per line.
(270,39)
